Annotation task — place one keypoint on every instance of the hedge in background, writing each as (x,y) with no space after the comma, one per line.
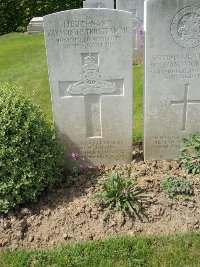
(30,156)
(11,15)
(16,14)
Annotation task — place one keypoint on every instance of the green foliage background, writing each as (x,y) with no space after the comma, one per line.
(16,14)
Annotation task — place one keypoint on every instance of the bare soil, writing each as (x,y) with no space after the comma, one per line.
(68,214)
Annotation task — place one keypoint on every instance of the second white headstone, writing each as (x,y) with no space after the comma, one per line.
(172,76)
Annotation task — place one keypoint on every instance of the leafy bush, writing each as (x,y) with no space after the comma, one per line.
(16,14)
(190,154)
(30,156)
(176,186)
(120,190)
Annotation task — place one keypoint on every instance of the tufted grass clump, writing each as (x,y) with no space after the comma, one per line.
(189,158)
(30,156)
(121,191)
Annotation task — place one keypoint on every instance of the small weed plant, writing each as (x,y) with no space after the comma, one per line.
(190,154)
(176,186)
(121,191)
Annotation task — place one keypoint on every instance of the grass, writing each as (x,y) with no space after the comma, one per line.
(23,61)
(137,102)
(173,251)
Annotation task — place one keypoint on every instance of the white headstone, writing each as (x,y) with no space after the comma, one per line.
(35,25)
(98,4)
(89,55)
(137,9)
(172,76)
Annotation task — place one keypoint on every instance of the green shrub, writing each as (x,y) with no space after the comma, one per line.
(30,156)
(190,154)
(176,186)
(120,190)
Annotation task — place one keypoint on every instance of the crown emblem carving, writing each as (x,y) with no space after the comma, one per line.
(90,63)
(89,60)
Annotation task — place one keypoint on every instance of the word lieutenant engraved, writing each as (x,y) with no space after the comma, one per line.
(92,86)
(185,103)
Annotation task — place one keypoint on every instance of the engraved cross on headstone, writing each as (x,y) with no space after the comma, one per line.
(92,86)
(185,103)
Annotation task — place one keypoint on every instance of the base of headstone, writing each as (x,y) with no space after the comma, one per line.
(35,26)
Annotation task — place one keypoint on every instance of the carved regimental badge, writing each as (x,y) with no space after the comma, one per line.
(92,81)
(185,27)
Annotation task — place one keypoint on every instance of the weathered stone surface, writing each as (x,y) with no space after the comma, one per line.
(137,9)
(89,55)
(98,4)
(35,26)
(172,76)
